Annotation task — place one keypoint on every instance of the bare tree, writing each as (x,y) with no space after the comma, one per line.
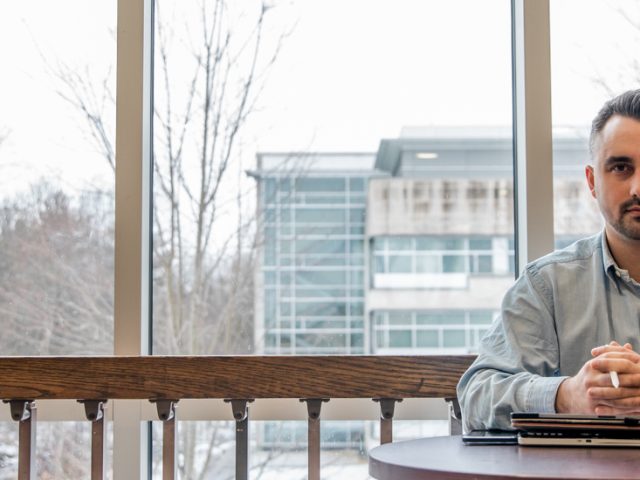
(56,270)
(195,246)
(203,257)
(95,103)
(628,73)
(55,274)
(209,75)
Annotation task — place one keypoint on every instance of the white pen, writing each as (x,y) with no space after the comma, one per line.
(615,381)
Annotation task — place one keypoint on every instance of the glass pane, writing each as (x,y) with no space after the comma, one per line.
(379,264)
(428,264)
(299,175)
(357,215)
(481,318)
(320,277)
(399,339)
(356,185)
(454,263)
(320,246)
(399,243)
(323,309)
(9,450)
(320,185)
(485,263)
(441,318)
(63,450)
(57,177)
(399,318)
(427,339)
(453,338)
(480,244)
(320,215)
(399,264)
(356,247)
(587,70)
(279,449)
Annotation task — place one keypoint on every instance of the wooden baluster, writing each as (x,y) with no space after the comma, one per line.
(94,411)
(387,406)
(24,412)
(241,415)
(167,413)
(313,433)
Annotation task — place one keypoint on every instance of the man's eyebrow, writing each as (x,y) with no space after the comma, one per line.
(617,159)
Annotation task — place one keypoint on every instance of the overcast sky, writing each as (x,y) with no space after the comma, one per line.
(352,72)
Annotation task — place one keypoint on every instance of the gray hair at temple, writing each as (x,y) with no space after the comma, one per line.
(626,104)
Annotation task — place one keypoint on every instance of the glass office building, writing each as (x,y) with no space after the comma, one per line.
(312,213)
(409,249)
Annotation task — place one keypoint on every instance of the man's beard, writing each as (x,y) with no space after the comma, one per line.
(624,224)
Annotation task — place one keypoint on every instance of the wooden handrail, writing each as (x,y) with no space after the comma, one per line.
(179,377)
(239,378)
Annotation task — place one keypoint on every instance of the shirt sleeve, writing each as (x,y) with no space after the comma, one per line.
(517,366)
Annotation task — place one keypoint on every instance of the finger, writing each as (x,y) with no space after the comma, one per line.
(626,380)
(617,362)
(611,348)
(627,345)
(607,394)
(621,353)
(628,403)
(607,348)
(609,410)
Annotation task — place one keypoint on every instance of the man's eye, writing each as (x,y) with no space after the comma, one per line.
(620,168)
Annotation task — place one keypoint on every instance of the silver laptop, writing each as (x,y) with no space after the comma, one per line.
(576,430)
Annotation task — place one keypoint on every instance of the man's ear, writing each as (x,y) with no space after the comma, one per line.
(591,181)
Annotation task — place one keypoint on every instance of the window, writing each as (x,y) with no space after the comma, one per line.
(57,201)
(328,172)
(301,222)
(587,69)
(57,179)
(426,255)
(429,332)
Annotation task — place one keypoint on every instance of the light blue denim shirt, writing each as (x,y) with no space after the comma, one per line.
(563,304)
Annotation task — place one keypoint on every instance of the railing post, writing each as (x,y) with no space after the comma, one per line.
(455,416)
(167,413)
(94,411)
(24,412)
(387,407)
(313,430)
(241,415)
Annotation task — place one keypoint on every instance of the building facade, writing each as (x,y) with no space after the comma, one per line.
(310,287)
(405,250)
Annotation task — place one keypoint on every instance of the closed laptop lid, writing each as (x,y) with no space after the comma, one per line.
(603,425)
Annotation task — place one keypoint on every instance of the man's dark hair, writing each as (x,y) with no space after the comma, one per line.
(626,104)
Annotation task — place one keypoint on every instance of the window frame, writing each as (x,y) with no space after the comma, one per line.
(533,181)
(533,209)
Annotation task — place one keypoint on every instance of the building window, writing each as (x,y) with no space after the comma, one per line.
(435,332)
(439,256)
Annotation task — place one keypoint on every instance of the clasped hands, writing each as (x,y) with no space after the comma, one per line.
(590,391)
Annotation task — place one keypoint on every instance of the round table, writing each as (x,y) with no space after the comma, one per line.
(447,458)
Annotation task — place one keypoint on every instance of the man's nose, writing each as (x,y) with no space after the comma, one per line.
(634,187)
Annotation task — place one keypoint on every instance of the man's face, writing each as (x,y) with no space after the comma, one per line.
(614,179)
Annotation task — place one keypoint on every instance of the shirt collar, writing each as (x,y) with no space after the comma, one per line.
(609,263)
(612,268)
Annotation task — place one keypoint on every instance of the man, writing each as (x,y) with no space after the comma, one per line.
(556,341)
